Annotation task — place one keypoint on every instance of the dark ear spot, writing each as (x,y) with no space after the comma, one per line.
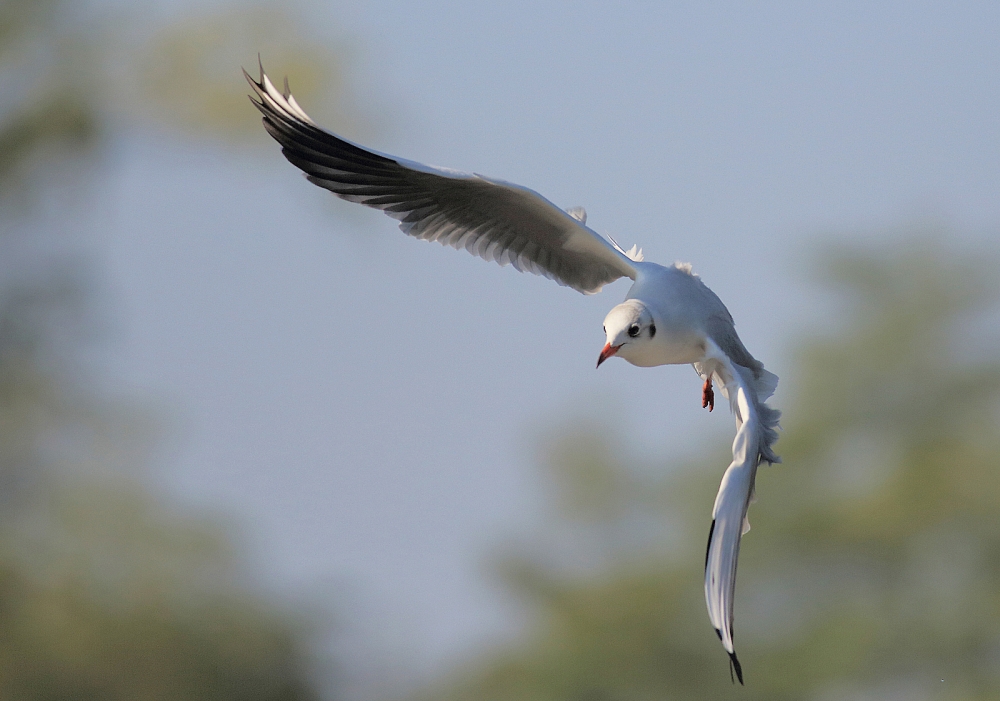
(652,330)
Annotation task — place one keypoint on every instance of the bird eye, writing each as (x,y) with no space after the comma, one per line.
(633,330)
(652,330)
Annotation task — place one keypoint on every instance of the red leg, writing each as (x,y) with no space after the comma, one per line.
(708,395)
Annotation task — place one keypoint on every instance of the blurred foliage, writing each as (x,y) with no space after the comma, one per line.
(106,595)
(873,569)
(873,566)
(66,76)
(42,105)
(189,73)
(106,592)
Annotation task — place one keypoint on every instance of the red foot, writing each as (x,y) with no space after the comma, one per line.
(708,395)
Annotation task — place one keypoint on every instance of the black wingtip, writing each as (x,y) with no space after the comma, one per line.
(708,549)
(734,664)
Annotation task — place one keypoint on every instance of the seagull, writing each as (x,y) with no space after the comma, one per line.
(668,317)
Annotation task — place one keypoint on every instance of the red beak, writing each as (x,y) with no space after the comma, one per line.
(606,352)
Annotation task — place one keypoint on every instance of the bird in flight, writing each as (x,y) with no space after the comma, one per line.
(668,317)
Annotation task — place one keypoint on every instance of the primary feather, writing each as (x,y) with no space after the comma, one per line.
(492,219)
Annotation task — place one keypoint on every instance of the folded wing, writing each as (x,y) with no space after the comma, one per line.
(494,220)
(756,432)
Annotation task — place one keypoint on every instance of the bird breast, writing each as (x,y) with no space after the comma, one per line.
(667,348)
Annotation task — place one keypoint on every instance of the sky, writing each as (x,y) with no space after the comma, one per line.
(368,408)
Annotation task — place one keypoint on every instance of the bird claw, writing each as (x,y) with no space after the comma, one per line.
(707,395)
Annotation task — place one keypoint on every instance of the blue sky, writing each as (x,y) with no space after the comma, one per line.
(369,406)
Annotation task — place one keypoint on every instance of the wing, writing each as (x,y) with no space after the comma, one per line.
(489,218)
(756,432)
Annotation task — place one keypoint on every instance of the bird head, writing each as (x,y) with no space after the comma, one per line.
(629,328)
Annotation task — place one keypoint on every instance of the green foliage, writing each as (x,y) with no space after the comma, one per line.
(873,566)
(105,592)
(67,78)
(189,73)
(35,51)
(106,595)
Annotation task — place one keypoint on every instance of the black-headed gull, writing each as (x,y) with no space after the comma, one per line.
(668,317)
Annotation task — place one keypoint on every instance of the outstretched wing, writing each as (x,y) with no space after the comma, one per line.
(489,218)
(756,432)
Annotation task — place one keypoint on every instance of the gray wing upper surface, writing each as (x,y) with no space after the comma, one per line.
(494,220)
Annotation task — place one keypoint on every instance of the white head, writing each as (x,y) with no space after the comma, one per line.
(630,328)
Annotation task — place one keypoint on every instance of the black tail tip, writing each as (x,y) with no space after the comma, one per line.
(734,665)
